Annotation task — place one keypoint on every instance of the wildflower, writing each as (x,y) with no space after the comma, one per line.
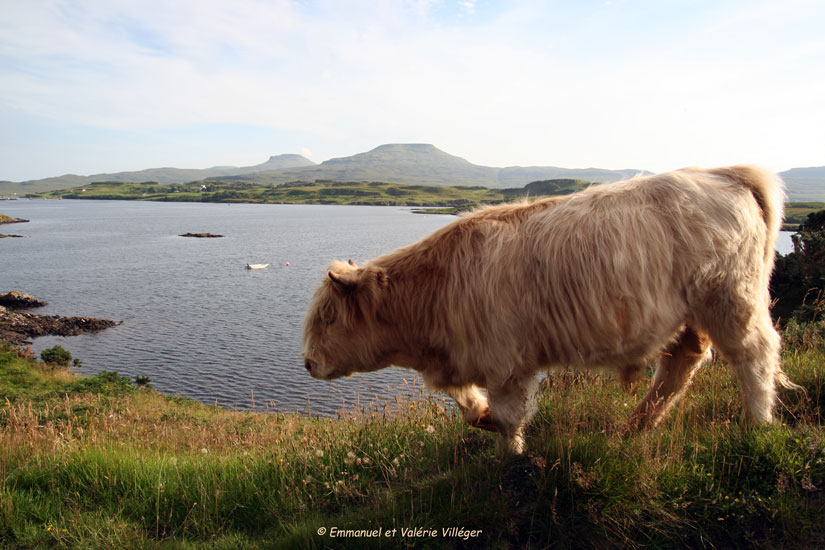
(396,462)
(367,460)
(319,453)
(430,429)
(204,451)
(350,454)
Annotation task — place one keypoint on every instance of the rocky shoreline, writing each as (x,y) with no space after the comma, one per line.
(17,328)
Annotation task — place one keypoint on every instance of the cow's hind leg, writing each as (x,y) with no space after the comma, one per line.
(751,348)
(673,373)
(473,406)
(513,404)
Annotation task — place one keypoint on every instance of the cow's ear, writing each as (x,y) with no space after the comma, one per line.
(380,277)
(353,264)
(343,280)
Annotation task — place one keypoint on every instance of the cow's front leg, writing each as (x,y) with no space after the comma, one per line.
(513,404)
(473,406)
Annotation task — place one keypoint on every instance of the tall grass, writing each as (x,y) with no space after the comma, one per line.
(95,463)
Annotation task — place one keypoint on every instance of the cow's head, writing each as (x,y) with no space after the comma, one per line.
(342,334)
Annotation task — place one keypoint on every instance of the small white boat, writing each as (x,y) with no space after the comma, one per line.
(257,266)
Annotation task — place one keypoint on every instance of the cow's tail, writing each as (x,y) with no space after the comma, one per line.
(769,192)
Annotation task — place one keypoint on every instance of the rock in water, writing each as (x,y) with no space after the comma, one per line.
(17,299)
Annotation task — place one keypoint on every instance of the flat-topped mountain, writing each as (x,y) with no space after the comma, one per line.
(425,164)
(404,163)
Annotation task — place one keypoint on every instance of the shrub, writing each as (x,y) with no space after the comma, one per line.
(56,356)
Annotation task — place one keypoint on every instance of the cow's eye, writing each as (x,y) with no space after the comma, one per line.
(328,321)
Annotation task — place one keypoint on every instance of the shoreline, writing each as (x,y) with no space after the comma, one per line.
(16,329)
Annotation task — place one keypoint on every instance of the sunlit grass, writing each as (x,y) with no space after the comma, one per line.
(96,463)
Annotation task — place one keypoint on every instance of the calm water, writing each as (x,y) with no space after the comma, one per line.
(784,244)
(194,320)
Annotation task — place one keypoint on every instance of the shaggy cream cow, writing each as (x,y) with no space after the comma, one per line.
(613,276)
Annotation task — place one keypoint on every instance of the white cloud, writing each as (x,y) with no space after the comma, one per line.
(468,6)
(523,82)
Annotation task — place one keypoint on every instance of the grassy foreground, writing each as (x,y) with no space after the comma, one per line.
(93,462)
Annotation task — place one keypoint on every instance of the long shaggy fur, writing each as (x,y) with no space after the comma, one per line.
(613,276)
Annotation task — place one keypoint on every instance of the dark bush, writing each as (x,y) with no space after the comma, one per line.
(56,356)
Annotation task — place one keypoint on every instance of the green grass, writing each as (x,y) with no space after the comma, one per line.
(96,463)
(796,212)
(317,192)
(446,200)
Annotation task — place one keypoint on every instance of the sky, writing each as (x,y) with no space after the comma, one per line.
(98,86)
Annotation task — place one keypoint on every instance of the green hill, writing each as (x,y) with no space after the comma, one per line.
(403,163)
(805,184)
(160,175)
(316,192)
(411,164)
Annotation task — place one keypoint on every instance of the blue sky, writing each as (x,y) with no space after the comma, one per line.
(103,86)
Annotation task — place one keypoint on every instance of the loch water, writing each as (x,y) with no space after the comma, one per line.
(193,318)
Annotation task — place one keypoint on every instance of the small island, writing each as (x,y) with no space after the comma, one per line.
(201,235)
(8,219)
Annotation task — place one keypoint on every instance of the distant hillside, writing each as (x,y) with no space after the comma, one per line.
(408,164)
(159,175)
(424,164)
(805,184)
(319,192)
(517,175)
